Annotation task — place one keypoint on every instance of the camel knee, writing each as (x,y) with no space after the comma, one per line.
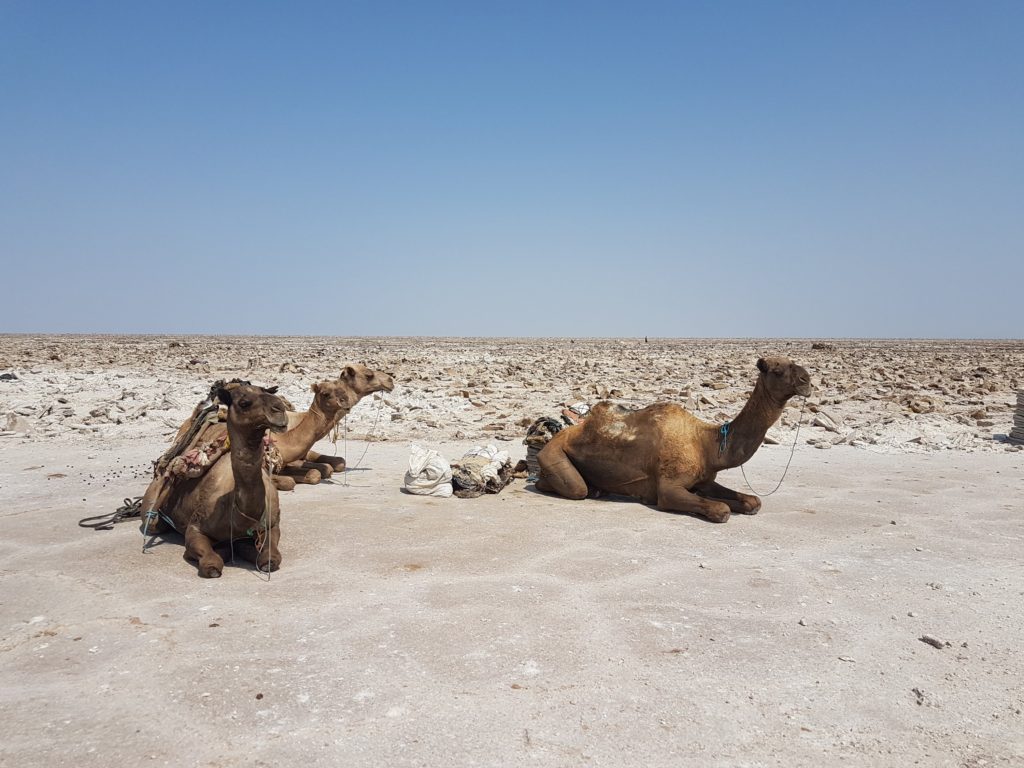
(283,483)
(336,463)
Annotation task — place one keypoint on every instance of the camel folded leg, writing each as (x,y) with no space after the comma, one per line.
(337,463)
(283,483)
(325,469)
(740,503)
(199,550)
(267,557)
(673,497)
(301,474)
(558,475)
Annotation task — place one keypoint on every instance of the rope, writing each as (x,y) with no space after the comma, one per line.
(249,532)
(791,452)
(106,522)
(376,420)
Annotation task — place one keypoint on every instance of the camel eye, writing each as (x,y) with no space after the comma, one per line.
(244,405)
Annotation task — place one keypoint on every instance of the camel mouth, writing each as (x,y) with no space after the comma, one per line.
(804,390)
(279,428)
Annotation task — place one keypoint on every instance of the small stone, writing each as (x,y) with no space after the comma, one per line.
(933,641)
(802,622)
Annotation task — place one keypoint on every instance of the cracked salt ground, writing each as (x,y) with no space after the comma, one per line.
(393,635)
(897,397)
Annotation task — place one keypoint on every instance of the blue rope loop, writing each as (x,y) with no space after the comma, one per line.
(149,517)
(723,437)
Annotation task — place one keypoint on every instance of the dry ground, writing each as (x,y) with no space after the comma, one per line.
(519,629)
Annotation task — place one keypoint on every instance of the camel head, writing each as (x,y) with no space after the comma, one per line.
(783,378)
(332,396)
(252,408)
(364,381)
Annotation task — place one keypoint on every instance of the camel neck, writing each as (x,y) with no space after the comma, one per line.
(247,470)
(740,438)
(294,443)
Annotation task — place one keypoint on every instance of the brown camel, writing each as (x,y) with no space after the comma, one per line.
(332,400)
(235,500)
(666,456)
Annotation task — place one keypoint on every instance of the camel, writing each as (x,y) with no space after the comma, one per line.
(666,456)
(235,500)
(332,400)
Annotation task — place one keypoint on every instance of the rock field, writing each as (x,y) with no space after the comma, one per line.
(889,396)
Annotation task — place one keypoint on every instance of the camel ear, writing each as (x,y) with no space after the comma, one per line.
(224,395)
(270,390)
(348,373)
(315,387)
(762,366)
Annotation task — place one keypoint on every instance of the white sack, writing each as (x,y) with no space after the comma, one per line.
(429,473)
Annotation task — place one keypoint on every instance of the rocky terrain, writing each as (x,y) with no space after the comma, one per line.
(879,395)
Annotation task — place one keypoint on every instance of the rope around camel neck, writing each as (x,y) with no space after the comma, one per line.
(792,450)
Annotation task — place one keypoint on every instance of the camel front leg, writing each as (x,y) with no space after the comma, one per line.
(740,503)
(301,475)
(673,497)
(283,483)
(325,469)
(337,463)
(265,554)
(199,550)
(558,475)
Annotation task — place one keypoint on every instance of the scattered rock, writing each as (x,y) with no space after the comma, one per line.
(934,642)
(16,423)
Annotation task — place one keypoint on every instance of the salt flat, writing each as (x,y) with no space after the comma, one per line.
(518,628)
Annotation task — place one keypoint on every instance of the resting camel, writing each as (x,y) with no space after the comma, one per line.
(235,500)
(332,400)
(666,456)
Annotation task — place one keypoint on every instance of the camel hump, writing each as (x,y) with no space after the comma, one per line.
(656,411)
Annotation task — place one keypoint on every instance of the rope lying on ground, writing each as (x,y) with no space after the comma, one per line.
(105,522)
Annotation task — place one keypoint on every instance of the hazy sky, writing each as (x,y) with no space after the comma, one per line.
(798,169)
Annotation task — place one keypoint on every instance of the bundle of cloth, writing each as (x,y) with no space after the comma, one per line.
(483,469)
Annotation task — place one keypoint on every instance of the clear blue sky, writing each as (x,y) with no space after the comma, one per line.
(805,169)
